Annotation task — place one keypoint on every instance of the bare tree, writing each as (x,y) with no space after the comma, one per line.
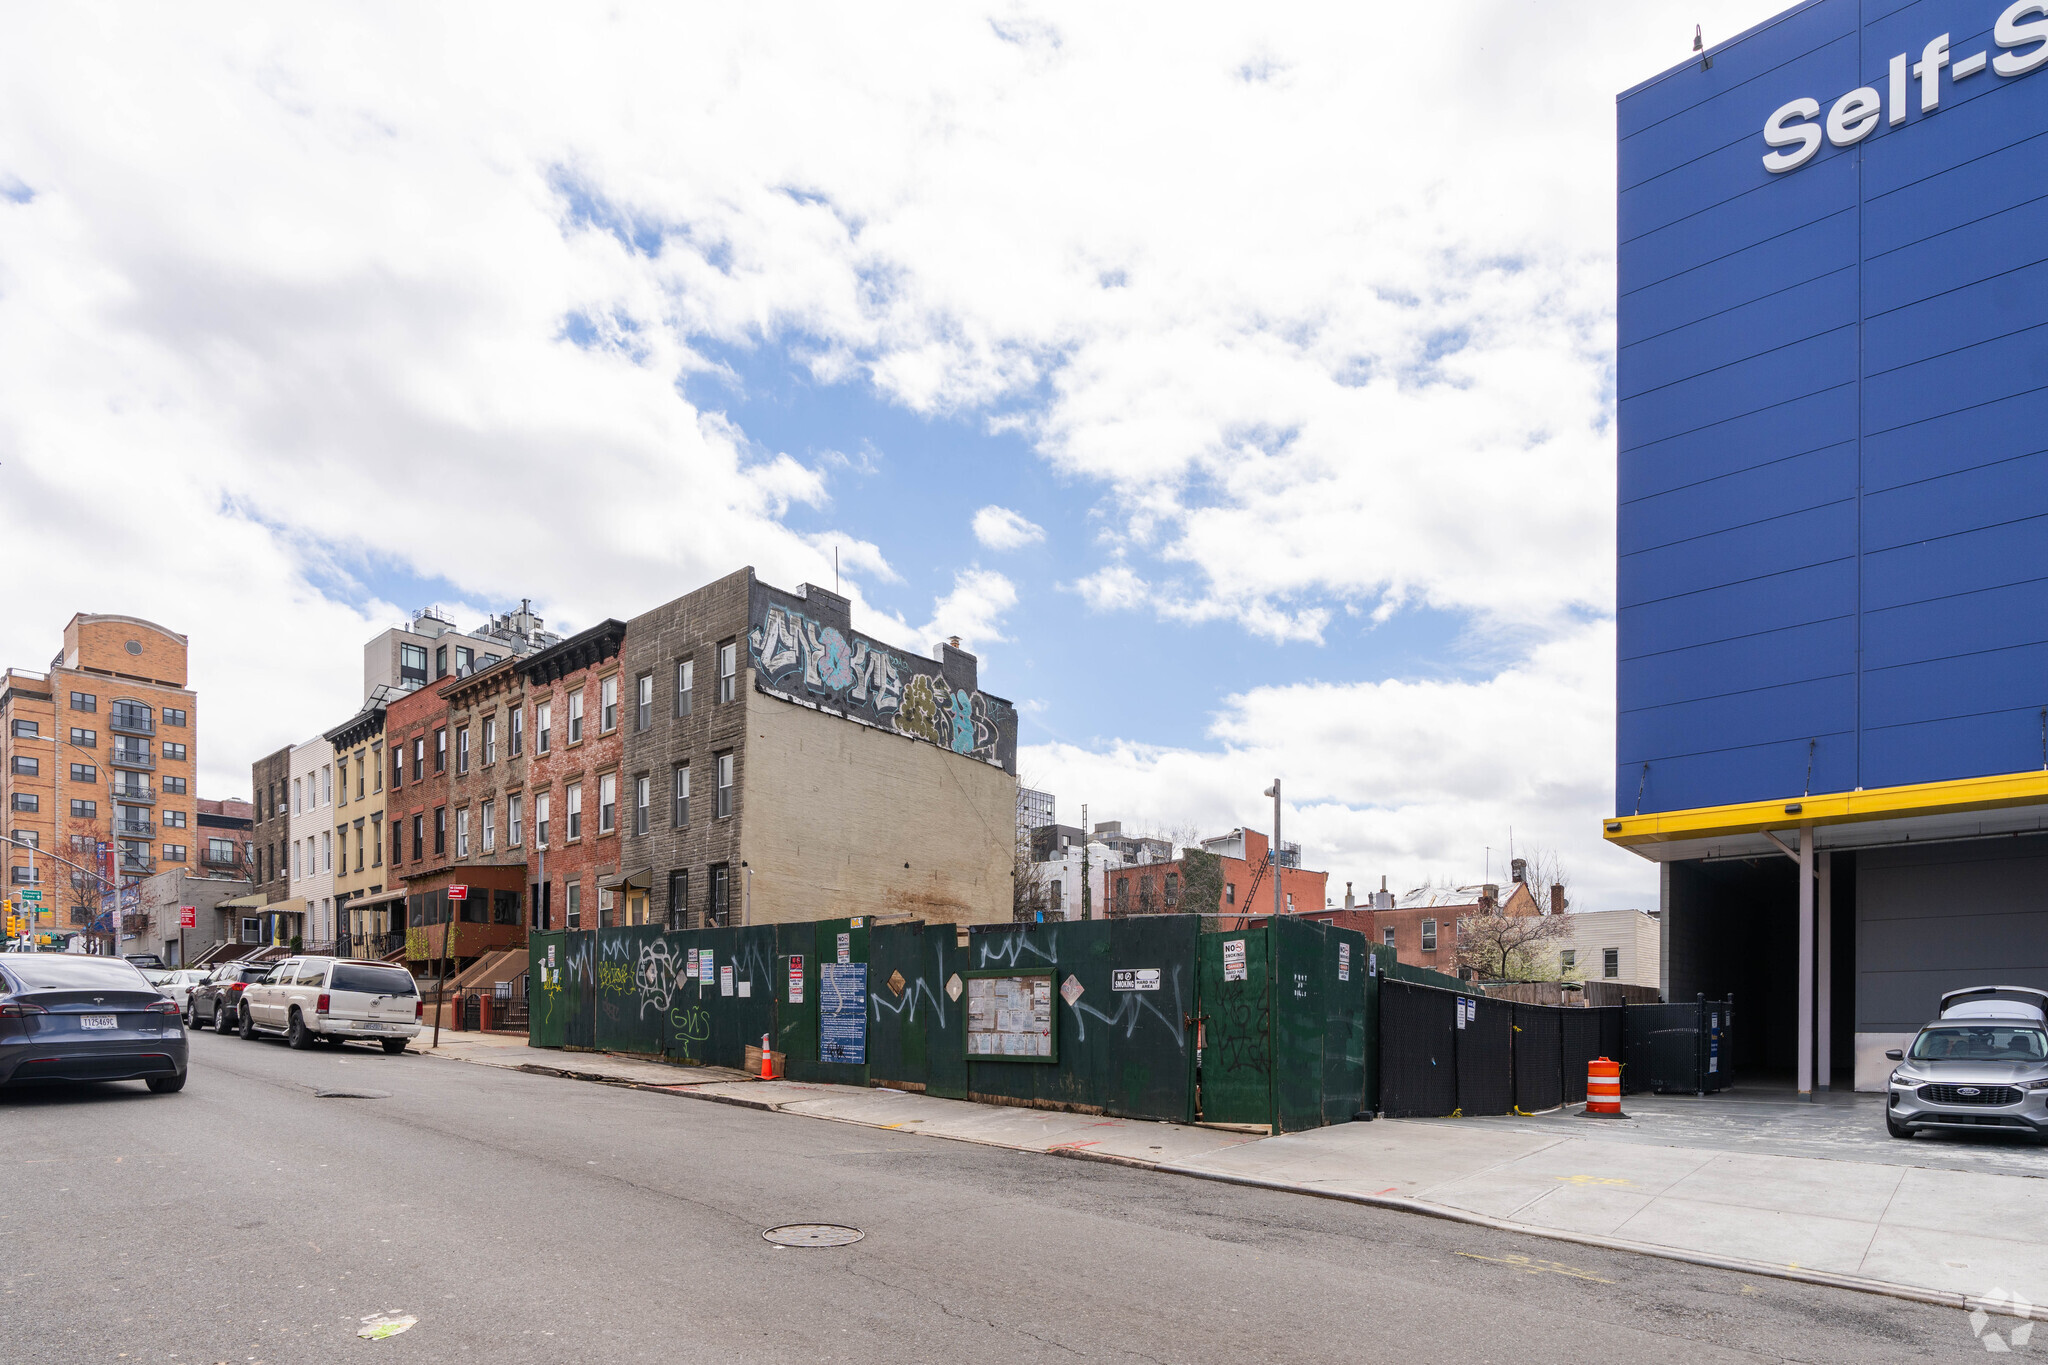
(1521,947)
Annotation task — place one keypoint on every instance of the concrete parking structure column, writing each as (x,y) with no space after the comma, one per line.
(1806,962)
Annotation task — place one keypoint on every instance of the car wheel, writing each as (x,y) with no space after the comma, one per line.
(1895,1128)
(394,1046)
(167,1085)
(248,1025)
(190,1018)
(297,1034)
(223,1022)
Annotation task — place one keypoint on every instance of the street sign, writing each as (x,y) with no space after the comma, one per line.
(29,895)
(458,893)
(188,917)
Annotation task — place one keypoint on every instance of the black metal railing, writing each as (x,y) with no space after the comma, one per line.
(141,795)
(230,859)
(124,721)
(132,758)
(135,829)
(141,867)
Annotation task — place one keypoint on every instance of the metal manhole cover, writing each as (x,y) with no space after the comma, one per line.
(812,1235)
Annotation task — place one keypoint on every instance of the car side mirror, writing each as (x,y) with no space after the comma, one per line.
(1895,1054)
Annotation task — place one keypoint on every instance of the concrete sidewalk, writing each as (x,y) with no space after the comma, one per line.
(1890,1226)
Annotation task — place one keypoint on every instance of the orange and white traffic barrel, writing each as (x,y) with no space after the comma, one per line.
(1603,1089)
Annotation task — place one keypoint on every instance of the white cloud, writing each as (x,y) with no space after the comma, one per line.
(1410,780)
(973,610)
(999,528)
(1317,300)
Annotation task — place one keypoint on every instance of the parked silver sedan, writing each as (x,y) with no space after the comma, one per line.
(1982,1065)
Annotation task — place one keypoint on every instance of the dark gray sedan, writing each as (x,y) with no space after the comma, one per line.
(65,1017)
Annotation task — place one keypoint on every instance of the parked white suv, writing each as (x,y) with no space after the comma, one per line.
(332,1000)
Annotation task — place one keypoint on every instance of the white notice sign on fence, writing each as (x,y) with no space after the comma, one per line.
(1233,959)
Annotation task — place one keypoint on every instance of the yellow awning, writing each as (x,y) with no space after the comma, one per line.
(1957,797)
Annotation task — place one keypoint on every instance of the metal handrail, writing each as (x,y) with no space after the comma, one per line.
(129,758)
(130,722)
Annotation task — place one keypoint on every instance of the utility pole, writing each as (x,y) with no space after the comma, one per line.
(1273,855)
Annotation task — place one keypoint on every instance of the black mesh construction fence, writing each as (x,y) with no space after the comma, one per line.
(1486,1057)
(1507,1056)
(1418,1051)
(1539,1057)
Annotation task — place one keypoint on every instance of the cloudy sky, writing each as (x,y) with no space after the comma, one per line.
(1239,387)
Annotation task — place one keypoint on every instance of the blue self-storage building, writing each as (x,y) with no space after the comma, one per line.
(1832,672)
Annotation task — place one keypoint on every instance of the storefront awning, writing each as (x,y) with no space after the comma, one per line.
(253,902)
(641,879)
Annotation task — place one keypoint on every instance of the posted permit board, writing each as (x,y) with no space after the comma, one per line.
(843,1012)
(1010,1017)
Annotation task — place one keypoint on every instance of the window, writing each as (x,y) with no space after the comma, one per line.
(462,833)
(1429,936)
(487,816)
(397,841)
(572,895)
(326,851)
(679,798)
(419,758)
(724,799)
(175,716)
(85,739)
(440,829)
(24,874)
(359,846)
(174,819)
(679,899)
(174,753)
(344,785)
(377,768)
(686,684)
(81,810)
(26,801)
(441,750)
(412,663)
(1230,893)
(573,799)
(1568,960)
(1172,889)
(541,803)
(26,729)
(1610,963)
(419,837)
(376,841)
(518,731)
(465,659)
(643,791)
(513,833)
(359,775)
(27,767)
(326,785)
(84,772)
(719,913)
(174,786)
(440,661)
(29,837)
(728,668)
(1122,900)
(462,749)
(84,701)
(643,702)
(1057,888)
(607,803)
(174,853)
(297,805)
(490,740)
(576,716)
(608,705)
(605,918)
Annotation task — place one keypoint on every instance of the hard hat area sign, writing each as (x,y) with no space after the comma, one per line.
(1134,979)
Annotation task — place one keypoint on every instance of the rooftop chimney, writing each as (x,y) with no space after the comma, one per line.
(1349,902)
(1557,900)
(1518,870)
(1383,899)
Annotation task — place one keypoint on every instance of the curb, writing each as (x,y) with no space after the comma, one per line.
(1940,1298)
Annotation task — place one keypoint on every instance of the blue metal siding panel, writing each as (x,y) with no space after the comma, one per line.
(1742,498)
(1833,482)
(1750,441)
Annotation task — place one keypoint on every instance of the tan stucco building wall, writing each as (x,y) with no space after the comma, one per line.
(832,811)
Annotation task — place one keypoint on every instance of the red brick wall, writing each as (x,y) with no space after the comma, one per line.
(594,854)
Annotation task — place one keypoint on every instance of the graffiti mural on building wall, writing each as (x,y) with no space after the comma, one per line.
(794,655)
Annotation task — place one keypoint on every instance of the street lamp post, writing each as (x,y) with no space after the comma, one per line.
(1273,857)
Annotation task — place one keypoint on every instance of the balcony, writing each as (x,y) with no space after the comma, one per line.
(228,859)
(134,829)
(133,758)
(142,796)
(137,867)
(126,721)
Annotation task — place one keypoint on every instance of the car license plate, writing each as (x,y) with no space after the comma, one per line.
(98,1021)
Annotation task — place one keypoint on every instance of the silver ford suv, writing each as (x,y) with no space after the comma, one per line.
(1982,1064)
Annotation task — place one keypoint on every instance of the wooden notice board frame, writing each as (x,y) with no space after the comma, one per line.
(1051,975)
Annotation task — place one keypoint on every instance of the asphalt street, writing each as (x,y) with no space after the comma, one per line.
(530,1218)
